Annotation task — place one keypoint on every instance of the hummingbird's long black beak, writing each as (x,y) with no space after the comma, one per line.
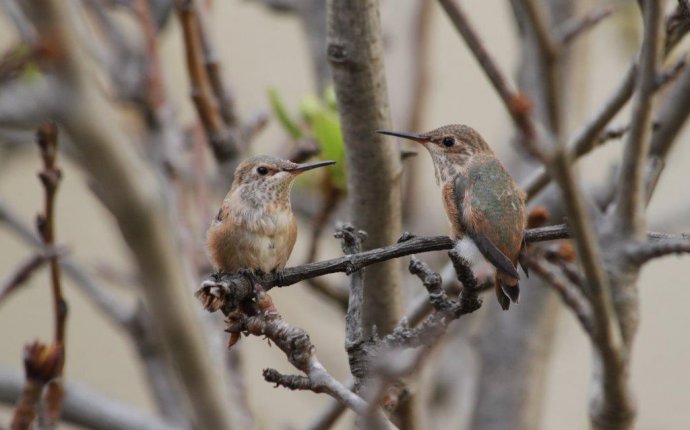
(308,166)
(410,136)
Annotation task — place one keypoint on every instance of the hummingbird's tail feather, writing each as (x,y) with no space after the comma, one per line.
(507,290)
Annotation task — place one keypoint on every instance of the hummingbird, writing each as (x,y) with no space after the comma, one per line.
(255,229)
(485,207)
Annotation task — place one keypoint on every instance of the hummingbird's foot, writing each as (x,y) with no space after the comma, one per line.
(278,277)
(250,274)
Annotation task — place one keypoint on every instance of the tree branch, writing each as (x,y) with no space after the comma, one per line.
(640,253)
(261,318)
(631,193)
(571,295)
(226,290)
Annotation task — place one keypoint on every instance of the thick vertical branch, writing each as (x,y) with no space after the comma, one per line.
(631,197)
(355,51)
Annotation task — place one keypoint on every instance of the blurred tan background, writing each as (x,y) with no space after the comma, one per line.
(259,50)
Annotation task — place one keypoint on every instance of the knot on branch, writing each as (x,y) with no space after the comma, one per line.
(337,53)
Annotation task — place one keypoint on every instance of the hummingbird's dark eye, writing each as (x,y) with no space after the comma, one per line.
(448,141)
(261,170)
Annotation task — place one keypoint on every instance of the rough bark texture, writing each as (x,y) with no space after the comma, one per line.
(355,51)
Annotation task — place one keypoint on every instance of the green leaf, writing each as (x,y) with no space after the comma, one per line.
(281,113)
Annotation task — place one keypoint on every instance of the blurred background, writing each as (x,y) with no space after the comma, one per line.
(262,49)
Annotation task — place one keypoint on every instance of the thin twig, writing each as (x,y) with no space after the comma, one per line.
(631,195)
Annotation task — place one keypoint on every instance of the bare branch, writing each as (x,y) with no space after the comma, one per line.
(673,113)
(631,197)
(607,337)
(227,290)
(352,244)
(576,27)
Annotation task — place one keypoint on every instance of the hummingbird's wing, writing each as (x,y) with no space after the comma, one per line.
(491,212)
